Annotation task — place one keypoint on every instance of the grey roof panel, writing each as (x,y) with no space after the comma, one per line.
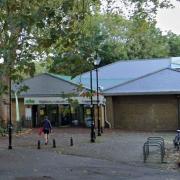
(166,81)
(122,71)
(45,84)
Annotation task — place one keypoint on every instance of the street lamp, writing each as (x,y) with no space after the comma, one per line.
(91,106)
(96,64)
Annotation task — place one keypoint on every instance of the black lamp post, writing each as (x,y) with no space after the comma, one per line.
(90,60)
(92,112)
(96,63)
(10,121)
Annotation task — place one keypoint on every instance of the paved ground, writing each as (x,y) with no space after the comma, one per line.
(115,155)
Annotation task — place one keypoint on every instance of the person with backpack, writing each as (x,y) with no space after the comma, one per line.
(47,128)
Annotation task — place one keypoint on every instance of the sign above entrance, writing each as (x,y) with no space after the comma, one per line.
(60,100)
(45,100)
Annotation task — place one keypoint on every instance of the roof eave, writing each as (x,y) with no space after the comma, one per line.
(141,93)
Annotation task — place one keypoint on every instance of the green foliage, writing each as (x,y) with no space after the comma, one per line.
(3,131)
(70,64)
(68,56)
(173,41)
(19,45)
(145,41)
(33,30)
(147,9)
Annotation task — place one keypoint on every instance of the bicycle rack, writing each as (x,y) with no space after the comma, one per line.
(154,141)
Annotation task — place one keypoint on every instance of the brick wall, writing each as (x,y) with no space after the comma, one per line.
(4,104)
(144,112)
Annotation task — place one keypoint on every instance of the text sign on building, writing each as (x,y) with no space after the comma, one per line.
(60,100)
(44,100)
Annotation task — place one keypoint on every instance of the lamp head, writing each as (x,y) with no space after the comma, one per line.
(90,59)
(101,88)
(97,61)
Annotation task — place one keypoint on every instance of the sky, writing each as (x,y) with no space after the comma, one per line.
(168,19)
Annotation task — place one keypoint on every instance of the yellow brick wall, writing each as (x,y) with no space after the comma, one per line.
(145,112)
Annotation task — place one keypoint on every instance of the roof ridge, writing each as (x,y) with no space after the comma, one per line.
(141,77)
(58,76)
(74,83)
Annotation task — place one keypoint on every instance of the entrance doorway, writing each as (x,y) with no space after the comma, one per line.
(34,116)
(66,118)
(53,114)
(60,115)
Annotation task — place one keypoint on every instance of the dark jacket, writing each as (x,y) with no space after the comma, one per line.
(47,125)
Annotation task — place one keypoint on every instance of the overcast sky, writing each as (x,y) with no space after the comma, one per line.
(169,19)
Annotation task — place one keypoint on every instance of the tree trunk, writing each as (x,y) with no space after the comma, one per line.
(4,106)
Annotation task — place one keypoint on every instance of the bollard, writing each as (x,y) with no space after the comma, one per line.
(39,144)
(101,129)
(94,134)
(54,143)
(71,141)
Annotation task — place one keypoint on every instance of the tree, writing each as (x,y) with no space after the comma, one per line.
(20,22)
(145,41)
(173,41)
(75,45)
(32,29)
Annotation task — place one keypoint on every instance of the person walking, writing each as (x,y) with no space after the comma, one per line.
(47,128)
